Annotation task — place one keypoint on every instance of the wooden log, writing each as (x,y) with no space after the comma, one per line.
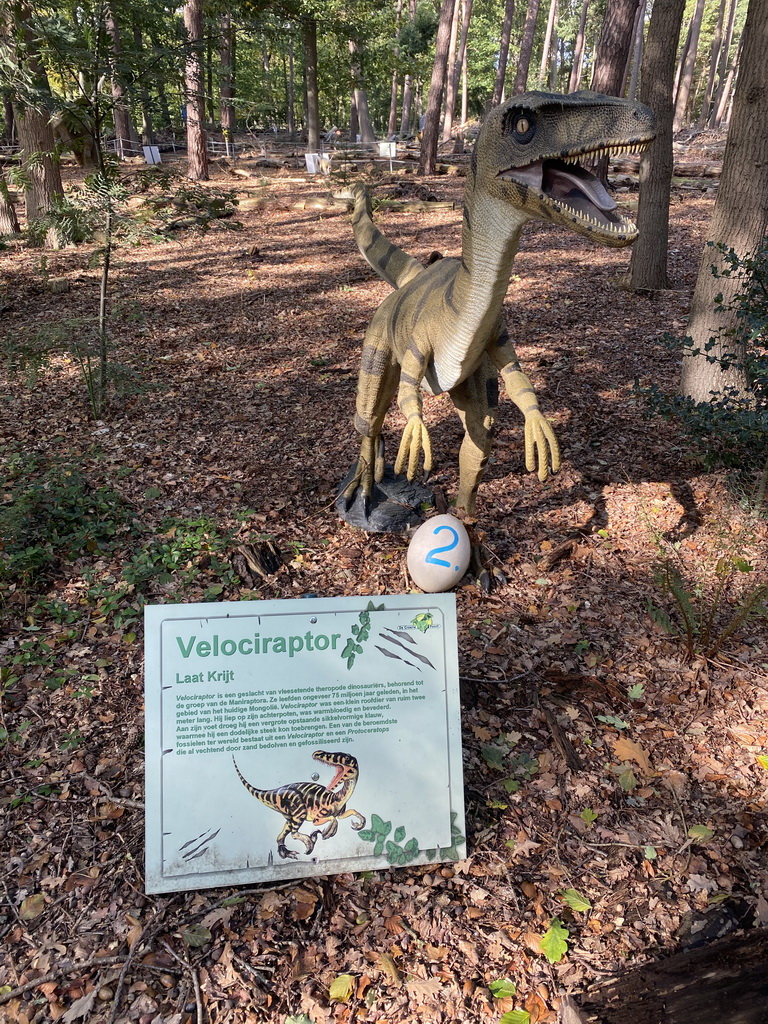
(725,981)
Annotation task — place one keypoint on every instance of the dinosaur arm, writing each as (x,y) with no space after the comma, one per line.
(415,437)
(541,447)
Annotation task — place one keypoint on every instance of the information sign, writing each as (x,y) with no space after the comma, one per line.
(304,737)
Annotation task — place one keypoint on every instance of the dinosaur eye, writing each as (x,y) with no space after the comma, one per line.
(520,124)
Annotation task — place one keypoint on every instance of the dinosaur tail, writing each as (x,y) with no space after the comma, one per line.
(264,795)
(389,261)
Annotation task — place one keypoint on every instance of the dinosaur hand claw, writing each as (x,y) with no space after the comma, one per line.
(541,447)
(415,439)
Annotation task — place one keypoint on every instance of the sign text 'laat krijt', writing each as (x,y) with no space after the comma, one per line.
(294,738)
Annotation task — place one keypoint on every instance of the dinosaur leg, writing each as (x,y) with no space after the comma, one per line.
(476,400)
(377,386)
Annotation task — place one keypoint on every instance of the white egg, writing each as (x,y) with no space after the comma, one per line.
(438,555)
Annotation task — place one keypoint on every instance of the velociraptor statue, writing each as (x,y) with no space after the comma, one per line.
(442,329)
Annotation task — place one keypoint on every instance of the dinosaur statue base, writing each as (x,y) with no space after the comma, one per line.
(396,505)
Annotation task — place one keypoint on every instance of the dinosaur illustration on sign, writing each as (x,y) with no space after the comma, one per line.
(299,802)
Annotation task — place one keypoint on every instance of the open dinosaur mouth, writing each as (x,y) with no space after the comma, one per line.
(571,188)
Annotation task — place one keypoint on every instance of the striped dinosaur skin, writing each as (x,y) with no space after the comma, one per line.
(442,329)
(309,801)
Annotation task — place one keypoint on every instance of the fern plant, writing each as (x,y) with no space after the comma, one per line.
(706,618)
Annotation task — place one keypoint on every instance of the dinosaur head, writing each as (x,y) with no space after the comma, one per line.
(345,765)
(529,150)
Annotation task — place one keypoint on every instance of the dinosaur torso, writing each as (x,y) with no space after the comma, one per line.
(442,329)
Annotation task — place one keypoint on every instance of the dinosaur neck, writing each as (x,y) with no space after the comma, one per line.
(344,792)
(490,237)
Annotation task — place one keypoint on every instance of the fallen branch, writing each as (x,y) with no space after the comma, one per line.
(68,967)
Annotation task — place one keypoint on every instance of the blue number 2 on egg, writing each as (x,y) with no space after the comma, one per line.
(448,547)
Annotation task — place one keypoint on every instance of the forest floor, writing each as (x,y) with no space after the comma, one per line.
(603,758)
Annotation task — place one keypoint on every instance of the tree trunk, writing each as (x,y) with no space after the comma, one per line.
(147,131)
(125,132)
(39,161)
(454,70)
(637,54)
(547,42)
(405,118)
(611,58)
(9,222)
(506,34)
(740,219)
(428,155)
(714,60)
(722,69)
(392,121)
(526,48)
(359,95)
(648,268)
(686,76)
(227,77)
(725,93)
(449,91)
(310,74)
(10,132)
(290,98)
(197,152)
(578,49)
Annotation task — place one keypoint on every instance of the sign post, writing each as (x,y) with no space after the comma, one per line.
(295,738)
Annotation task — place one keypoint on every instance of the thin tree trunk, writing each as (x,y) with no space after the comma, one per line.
(10,133)
(526,48)
(740,219)
(405,119)
(714,60)
(464,89)
(127,138)
(506,34)
(648,267)
(227,78)
(290,98)
(449,91)
(428,155)
(147,131)
(578,49)
(454,71)
(726,98)
(197,151)
(722,70)
(9,222)
(686,77)
(359,96)
(392,122)
(547,41)
(637,52)
(310,73)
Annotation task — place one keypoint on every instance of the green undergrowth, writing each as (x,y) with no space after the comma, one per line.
(78,558)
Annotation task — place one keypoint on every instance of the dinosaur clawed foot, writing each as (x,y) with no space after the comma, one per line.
(359,822)
(285,853)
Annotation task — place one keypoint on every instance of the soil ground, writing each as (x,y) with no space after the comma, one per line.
(600,754)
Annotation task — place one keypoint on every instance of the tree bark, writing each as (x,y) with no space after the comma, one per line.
(405,117)
(32,118)
(125,132)
(611,57)
(578,49)
(9,222)
(526,48)
(392,121)
(431,133)
(722,67)
(449,92)
(9,133)
(552,17)
(686,76)
(725,93)
(648,267)
(740,220)
(359,96)
(197,152)
(310,75)
(455,67)
(506,34)
(147,131)
(714,60)
(637,54)
(227,78)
